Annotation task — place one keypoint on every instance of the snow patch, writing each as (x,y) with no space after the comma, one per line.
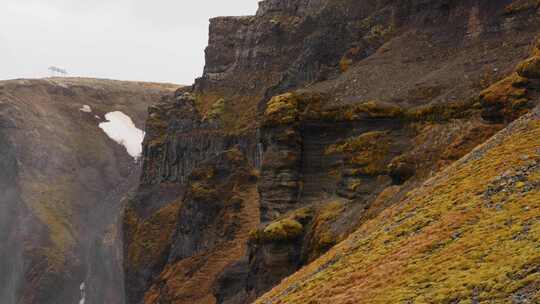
(86,109)
(120,128)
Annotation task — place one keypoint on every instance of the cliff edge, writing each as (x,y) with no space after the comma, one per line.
(336,113)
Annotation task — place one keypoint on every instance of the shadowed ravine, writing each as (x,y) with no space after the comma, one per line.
(343,152)
(334,113)
(63,181)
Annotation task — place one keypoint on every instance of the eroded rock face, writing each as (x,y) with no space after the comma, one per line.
(175,255)
(341,108)
(424,232)
(61,182)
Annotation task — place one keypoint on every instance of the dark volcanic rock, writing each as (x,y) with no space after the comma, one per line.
(341,108)
(230,286)
(208,205)
(193,236)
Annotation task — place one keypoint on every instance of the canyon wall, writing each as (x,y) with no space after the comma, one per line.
(61,184)
(335,110)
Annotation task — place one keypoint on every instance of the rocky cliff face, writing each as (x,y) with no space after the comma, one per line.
(60,187)
(469,234)
(338,109)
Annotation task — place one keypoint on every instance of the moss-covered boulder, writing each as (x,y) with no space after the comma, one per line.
(287,229)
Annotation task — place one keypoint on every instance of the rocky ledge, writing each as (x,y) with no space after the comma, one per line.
(342,115)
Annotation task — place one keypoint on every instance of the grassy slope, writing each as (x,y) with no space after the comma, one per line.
(469,235)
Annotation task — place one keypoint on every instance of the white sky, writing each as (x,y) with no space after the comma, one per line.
(156,40)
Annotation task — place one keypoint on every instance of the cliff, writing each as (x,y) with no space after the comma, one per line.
(61,182)
(470,234)
(337,113)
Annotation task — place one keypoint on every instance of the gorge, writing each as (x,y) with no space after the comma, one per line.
(333,151)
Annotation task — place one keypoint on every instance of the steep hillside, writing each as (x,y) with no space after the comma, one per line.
(470,234)
(337,110)
(61,182)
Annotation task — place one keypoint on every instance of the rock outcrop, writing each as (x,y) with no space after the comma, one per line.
(174,253)
(61,182)
(469,234)
(339,109)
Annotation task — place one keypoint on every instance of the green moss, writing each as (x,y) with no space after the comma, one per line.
(379,33)
(202,173)
(323,236)
(506,99)
(509,98)
(518,6)
(291,108)
(288,228)
(217,110)
(283,230)
(53,208)
(374,31)
(530,68)
(149,238)
(440,112)
(365,154)
(202,192)
(235,155)
(369,109)
(282,109)
(450,241)
(358,143)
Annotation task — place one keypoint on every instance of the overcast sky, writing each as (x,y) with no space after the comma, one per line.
(157,40)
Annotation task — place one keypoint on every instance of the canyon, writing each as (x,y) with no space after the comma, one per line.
(336,113)
(62,183)
(374,151)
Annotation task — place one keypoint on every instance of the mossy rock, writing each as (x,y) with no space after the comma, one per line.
(280,231)
(359,143)
(440,112)
(202,173)
(401,169)
(235,156)
(292,107)
(365,154)
(324,232)
(530,68)
(217,109)
(505,100)
(363,110)
(519,6)
(203,193)
(149,238)
(455,239)
(287,229)
(282,109)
